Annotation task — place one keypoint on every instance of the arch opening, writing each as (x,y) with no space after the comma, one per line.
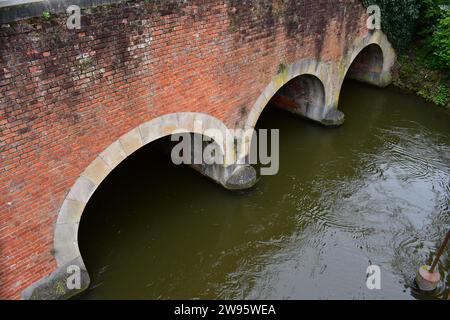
(296,90)
(368,65)
(65,243)
(133,197)
(304,88)
(370,61)
(303,95)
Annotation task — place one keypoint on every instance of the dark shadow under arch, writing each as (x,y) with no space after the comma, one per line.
(368,64)
(302,95)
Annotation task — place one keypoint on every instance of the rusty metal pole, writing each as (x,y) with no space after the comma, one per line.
(440,252)
(427,278)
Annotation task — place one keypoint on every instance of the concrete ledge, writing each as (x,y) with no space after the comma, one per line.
(13,10)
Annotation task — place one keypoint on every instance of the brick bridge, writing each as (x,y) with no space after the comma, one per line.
(75,103)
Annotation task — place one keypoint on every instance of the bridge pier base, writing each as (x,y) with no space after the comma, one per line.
(242,177)
(334,118)
(232,177)
(55,285)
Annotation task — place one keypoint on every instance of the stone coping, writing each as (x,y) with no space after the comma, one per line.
(13,10)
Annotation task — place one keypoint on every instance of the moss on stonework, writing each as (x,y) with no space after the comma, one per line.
(282,68)
(86,63)
(279,8)
(46,16)
(232,17)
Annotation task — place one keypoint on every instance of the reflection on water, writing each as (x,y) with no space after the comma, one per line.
(374,191)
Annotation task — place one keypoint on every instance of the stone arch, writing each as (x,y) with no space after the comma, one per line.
(65,247)
(367,65)
(304,95)
(316,75)
(369,60)
(317,79)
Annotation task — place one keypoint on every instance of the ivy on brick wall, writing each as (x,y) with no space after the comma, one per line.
(398,19)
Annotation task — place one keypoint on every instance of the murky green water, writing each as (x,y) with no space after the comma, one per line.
(375,191)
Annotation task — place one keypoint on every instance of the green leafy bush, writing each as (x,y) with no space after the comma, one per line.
(410,74)
(420,32)
(46,16)
(434,34)
(430,14)
(440,43)
(399,20)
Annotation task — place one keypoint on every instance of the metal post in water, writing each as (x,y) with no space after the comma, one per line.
(428,278)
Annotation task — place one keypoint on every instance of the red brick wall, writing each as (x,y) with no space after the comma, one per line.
(58,110)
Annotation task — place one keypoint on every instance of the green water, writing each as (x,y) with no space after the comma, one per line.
(374,191)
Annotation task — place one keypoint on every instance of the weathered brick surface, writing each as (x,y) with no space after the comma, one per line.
(65,95)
